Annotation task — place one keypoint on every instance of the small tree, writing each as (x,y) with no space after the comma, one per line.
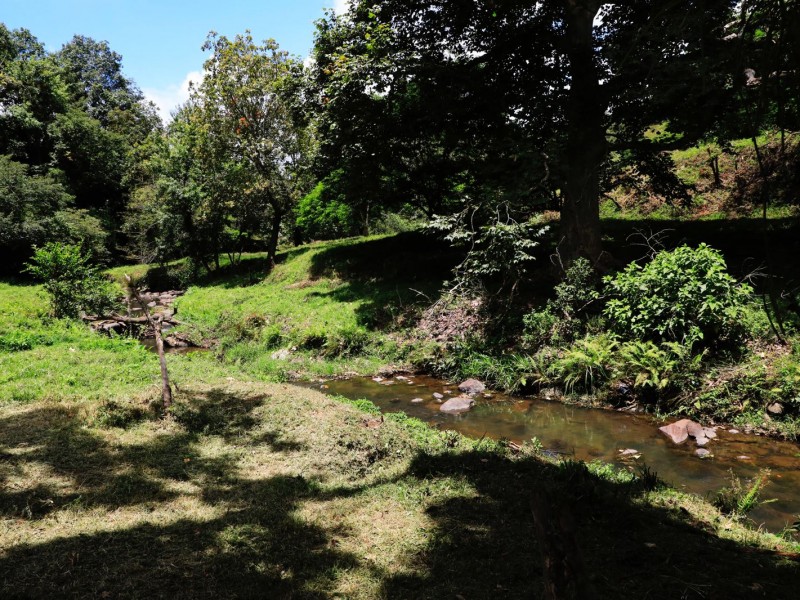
(74,285)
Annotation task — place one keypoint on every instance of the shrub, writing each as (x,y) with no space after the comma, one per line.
(566,316)
(740,498)
(73,284)
(653,368)
(685,295)
(587,364)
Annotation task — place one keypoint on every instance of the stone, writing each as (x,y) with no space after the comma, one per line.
(437,395)
(628,452)
(733,431)
(471,386)
(681,430)
(459,404)
(377,379)
(173,341)
(282,354)
(776,408)
(677,431)
(703,453)
(417,401)
(743,457)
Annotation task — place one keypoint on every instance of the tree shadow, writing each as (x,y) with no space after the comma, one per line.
(78,465)
(390,277)
(249,540)
(247,543)
(743,241)
(259,551)
(485,545)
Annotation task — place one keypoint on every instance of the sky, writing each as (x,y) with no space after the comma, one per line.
(160,40)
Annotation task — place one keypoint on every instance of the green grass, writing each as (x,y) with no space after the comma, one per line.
(252,488)
(268,490)
(334,306)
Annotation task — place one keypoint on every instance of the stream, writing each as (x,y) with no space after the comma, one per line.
(595,434)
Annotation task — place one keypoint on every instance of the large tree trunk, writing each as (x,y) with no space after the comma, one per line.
(586,144)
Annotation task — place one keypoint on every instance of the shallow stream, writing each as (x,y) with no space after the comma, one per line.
(594,434)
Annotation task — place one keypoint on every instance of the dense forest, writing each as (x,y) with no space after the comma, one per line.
(591,203)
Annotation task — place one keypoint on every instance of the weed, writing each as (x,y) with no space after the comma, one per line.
(587,364)
(739,499)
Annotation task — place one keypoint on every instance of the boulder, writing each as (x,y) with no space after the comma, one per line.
(437,395)
(458,404)
(681,430)
(677,431)
(471,387)
(703,453)
(776,408)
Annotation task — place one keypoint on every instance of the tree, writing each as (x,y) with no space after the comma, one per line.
(36,209)
(258,151)
(75,286)
(556,94)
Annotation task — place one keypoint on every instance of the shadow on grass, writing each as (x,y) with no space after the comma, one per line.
(391,277)
(251,542)
(485,545)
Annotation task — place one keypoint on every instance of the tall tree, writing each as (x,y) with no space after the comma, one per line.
(245,102)
(546,87)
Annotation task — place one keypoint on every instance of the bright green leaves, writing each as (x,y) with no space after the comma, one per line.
(685,295)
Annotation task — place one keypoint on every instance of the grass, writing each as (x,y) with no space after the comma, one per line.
(254,488)
(334,307)
(269,490)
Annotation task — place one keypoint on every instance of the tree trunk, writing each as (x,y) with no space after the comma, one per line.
(586,144)
(274,234)
(166,390)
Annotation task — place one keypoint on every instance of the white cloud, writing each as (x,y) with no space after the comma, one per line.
(340,6)
(168,98)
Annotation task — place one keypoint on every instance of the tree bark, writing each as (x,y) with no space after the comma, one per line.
(586,143)
(166,390)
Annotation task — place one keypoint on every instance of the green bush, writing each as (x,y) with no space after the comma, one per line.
(685,295)
(566,316)
(321,215)
(654,368)
(73,284)
(587,364)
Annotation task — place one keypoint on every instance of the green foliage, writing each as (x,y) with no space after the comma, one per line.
(654,368)
(739,499)
(323,216)
(74,285)
(567,315)
(587,364)
(498,251)
(685,295)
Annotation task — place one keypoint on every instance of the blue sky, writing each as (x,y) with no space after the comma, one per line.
(160,40)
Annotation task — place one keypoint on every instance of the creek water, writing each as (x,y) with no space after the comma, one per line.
(594,434)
